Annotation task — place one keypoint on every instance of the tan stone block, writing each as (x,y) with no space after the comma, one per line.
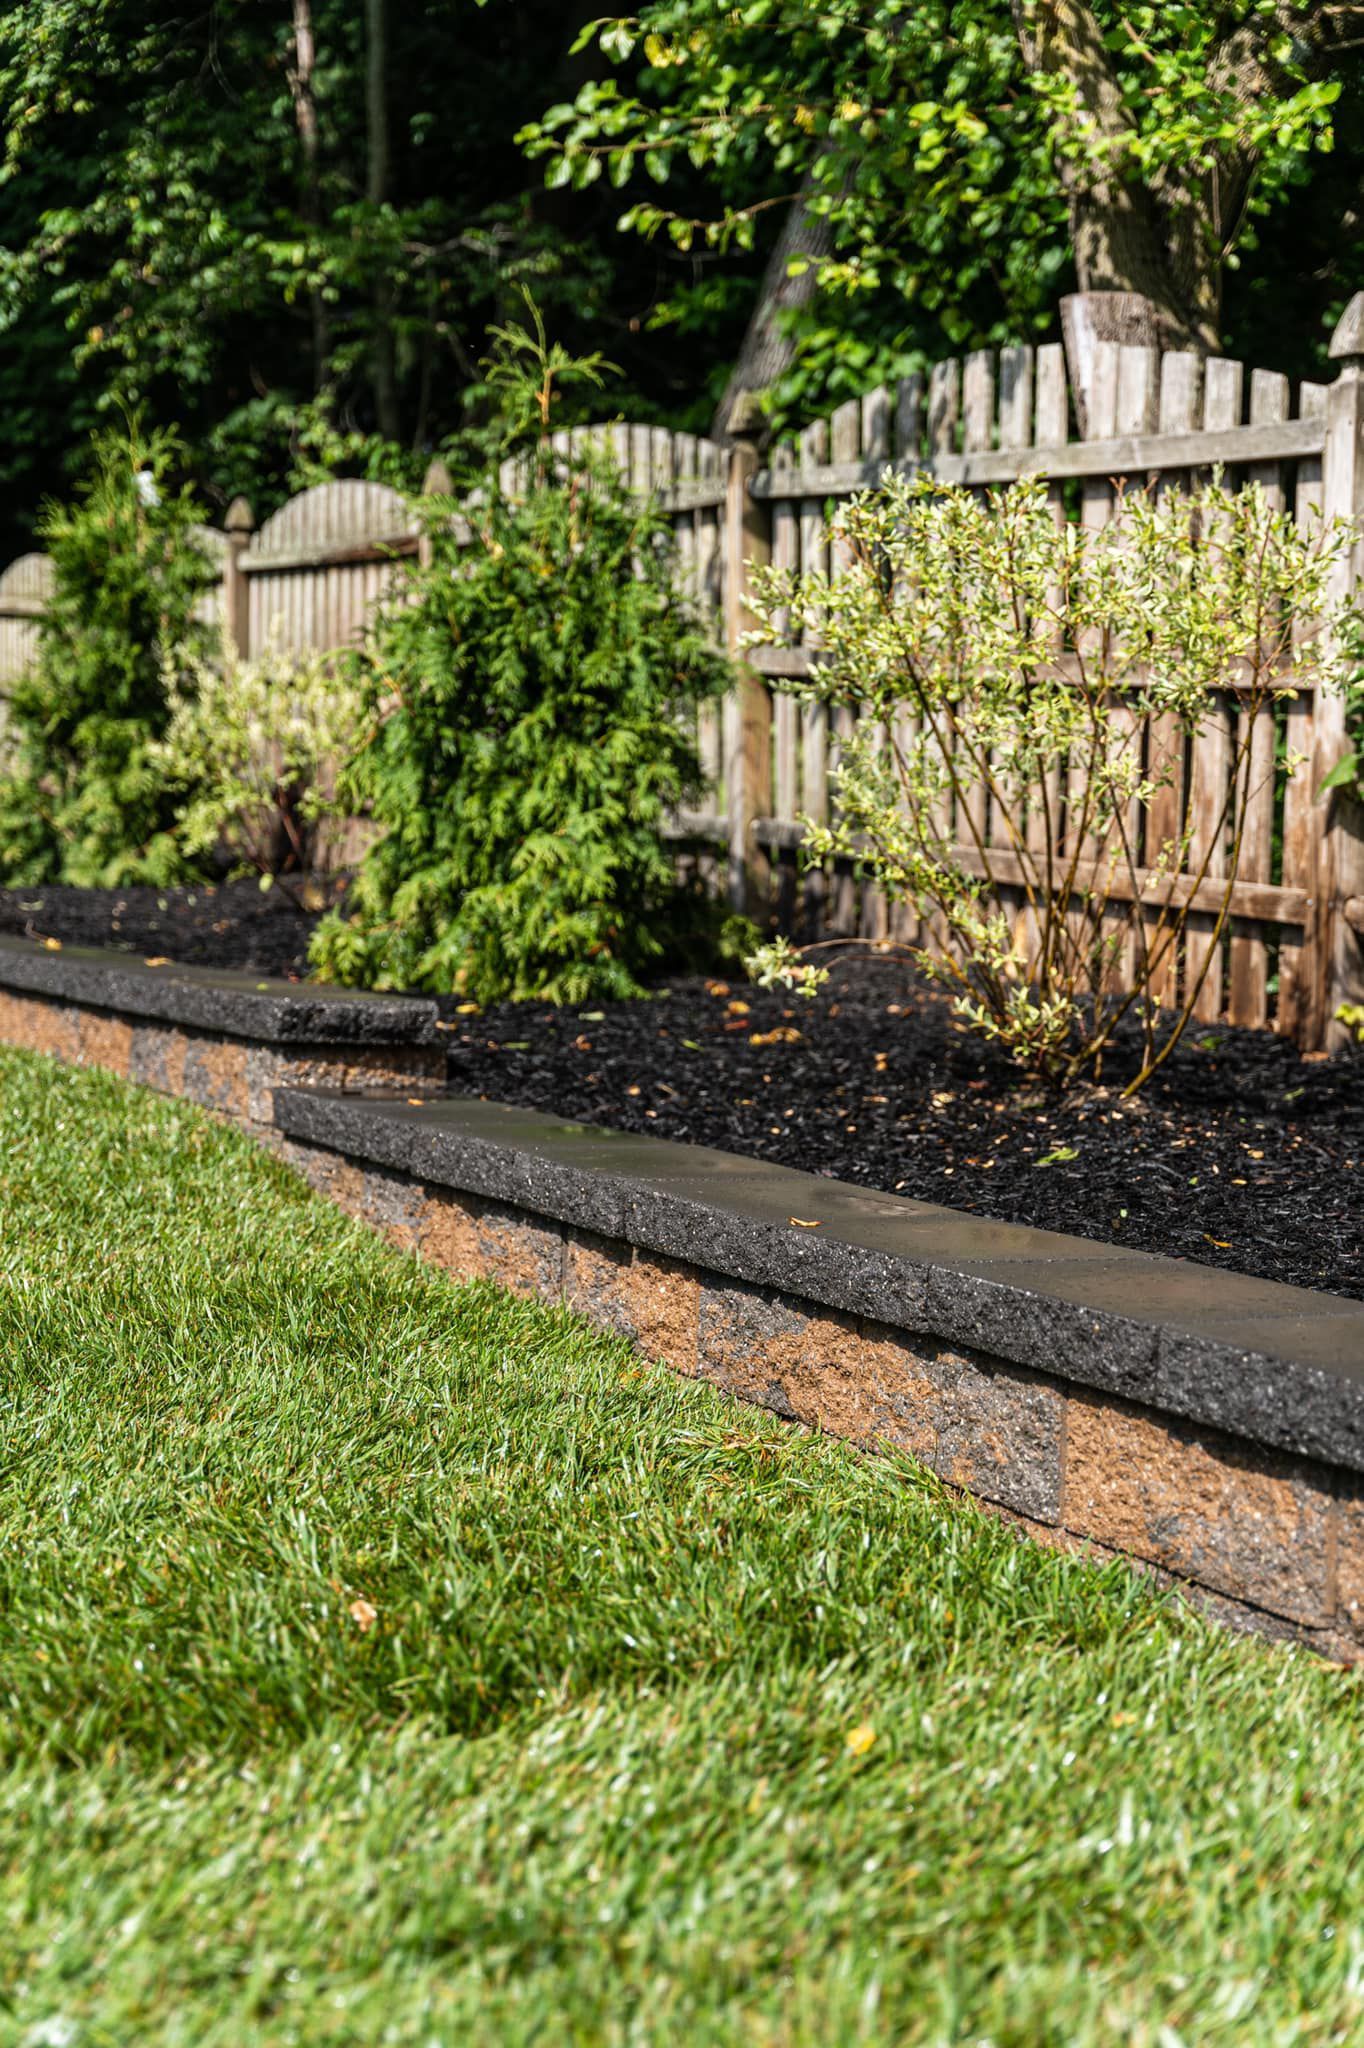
(1333,1643)
(470,1238)
(449,1237)
(1225,1514)
(1349,1572)
(40,1026)
(991,1429)
(867,1383)
(106,1041)
(999,1430)
(156,1058)
(330,1173)
(749,1341)
(520,1252)
(596,1279)
(652,1301)
(664,1298)
(214,1074)
(815,1366)
(15,1023)
(395,1205)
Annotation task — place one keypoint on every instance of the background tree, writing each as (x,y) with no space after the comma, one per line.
(970,159)
(288,225)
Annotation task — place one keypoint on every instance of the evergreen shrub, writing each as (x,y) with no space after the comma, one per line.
(532,700)
(82,799)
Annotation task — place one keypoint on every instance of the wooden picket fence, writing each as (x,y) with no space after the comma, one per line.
(312,573)
(24,590)
(1148,418)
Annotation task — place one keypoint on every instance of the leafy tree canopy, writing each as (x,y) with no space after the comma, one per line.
(288,225)
(960,162)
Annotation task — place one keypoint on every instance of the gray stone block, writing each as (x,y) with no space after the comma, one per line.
(237,1005)
(1280,1366)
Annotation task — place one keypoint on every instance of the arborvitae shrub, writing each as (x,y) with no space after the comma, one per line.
(82,801)
(532,698)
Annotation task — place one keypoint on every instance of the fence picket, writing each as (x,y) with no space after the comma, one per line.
(909,419)
(1015,397)
(1052,431)
(1248,962)
(978,401)
(877,414)
(786,764)
(1295,948)
(1180,412)
(845,438)
(814,718)
(708,557)
(944,405)
(1210,754)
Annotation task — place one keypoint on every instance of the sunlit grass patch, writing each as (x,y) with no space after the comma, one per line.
(382,1660)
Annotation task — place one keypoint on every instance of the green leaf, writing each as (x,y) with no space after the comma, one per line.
(1344,775)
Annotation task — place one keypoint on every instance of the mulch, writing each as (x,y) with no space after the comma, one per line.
(1241,1153)
(236,924)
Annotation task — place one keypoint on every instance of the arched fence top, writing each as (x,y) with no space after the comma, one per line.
(27,581)
(346,521)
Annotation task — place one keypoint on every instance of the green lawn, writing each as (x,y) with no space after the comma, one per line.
(384,1661)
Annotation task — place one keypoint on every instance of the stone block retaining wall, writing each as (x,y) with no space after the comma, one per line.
(1209,1425)
(1269,1540)
(224,1042)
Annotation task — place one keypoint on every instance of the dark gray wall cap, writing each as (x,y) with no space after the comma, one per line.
(1281,1366)
(239,1005)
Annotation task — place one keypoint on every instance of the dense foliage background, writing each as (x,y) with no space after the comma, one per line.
(287,225)
(298,261)
(83,796)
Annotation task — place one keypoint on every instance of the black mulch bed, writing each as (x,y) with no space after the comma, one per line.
(236,924)
(1240,1153)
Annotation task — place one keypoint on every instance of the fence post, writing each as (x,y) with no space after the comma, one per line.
(238,526)
(1338,975)
(437,483)
(1088,320)
(748,714)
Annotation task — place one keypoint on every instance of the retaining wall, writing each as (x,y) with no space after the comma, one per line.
(225,1041)
(1208,1424)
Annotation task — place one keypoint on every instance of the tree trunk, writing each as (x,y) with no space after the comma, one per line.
(376,191)
(1118,249)
(1167,241)
(766,352)
(305,120)
(1119,235)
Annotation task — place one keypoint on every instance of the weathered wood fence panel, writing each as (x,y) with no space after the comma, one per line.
(24,590)
(1290,951)
(317,567)
(26,586)
(312,574)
